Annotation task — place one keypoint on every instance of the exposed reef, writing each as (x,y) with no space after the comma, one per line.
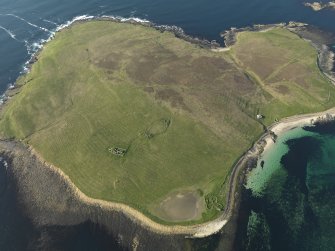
(317,6)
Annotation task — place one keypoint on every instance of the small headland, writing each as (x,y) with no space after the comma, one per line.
(322,41)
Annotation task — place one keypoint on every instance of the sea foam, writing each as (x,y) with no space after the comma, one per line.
(26,21)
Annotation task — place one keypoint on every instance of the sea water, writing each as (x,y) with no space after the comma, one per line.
(291,203)
(270,161)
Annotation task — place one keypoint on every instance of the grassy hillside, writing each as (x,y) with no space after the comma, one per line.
(183,114)
(285,67)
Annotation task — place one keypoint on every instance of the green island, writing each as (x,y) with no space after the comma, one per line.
(138,116)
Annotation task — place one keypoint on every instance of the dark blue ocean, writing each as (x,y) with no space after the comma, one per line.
(26,24)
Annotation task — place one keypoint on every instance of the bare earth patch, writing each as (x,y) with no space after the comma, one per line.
(181,206)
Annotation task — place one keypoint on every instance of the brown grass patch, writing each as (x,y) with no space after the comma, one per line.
(282,89)
(173,97)
(109,62)
(143,66)
(293,72)
(149,89)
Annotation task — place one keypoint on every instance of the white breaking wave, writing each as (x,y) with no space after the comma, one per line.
(29,48)
(75,19)
(10,33)
(173,28)
(126,19)
(33,47)
(3,99)
(50,22)
(88,17)
(26,21)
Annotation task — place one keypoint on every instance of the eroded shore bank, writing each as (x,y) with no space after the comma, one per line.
(50,198)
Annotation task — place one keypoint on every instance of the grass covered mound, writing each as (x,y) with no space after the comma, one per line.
(132,114)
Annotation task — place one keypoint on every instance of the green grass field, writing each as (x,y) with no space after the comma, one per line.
(183,114)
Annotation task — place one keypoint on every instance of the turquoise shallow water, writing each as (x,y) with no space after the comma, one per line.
(270,162)
(292,202)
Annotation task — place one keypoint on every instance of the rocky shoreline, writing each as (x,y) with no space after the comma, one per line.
(317,6)
(49,199)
